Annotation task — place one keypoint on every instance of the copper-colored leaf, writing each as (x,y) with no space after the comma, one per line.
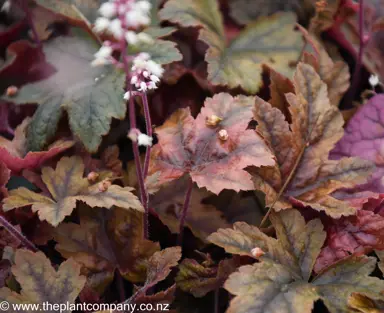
(201,278)
(302,149)
(14,155)
(188,145)
(106,240)
(364,304)
(67,185)
(41,283)
(297,246)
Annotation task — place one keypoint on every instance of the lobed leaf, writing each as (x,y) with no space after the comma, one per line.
(41,283)
(105,241)
(90,95)
(66,186)
(190,146)
(199,279)
(15,155)
(280,281)
(301,149)
(269,40)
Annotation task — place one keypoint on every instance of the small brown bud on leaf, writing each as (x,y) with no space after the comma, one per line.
(104,185)
(213,120)
(257,252)
(223,135)
(12,91)
(92,177)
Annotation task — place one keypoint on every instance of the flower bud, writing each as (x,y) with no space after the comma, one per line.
(257,252)
(213,120)
(92,177)
(223,135)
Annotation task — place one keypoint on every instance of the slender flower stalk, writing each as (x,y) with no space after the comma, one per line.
(148,123)
(15,233)
(124,20)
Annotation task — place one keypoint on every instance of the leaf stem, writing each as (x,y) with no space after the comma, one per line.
(187,200)
(148,124)
(135,147)
(15,233)
(359,61)
(287,181)
(120,285)
(25,7)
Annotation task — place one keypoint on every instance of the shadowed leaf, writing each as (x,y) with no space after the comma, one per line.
(202,219)
(201,278)
(106,240)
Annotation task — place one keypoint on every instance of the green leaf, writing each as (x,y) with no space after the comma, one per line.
(270,40)
(161,51)
(92,96)
(348,276)
(246,11)
(154,29)
(71,8)
(268,287)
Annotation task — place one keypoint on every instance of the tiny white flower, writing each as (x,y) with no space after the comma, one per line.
(144,140)
(108,9)
(145,38)
(143,56)
(155,68)
(154,78)
(374,80)
(101,24)
(116,28)
(152,85)
(127,95)
(6,6)
(104,52)
(144,5)
(132,19)
(143,86)
(145,74)
(131,37)
(134,80)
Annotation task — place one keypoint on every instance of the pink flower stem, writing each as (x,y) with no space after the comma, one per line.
(135,147)
(148,124)
(15,233)
(184,211)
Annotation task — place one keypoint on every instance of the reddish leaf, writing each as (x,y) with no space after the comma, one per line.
(5,174)
(188,145)
(14,156)
(353,235)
